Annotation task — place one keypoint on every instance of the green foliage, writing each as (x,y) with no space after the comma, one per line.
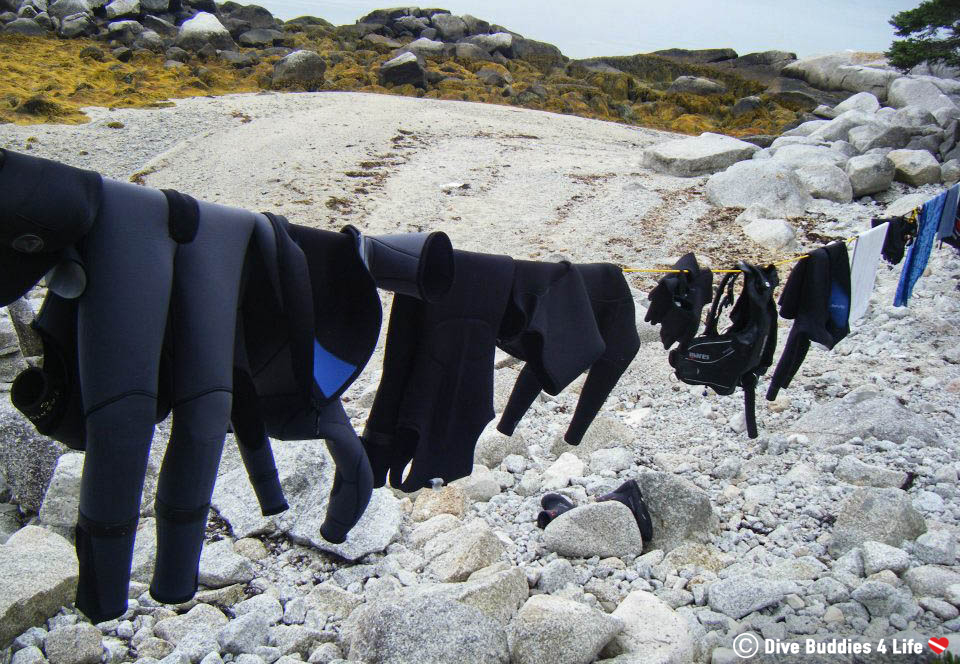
(932,33)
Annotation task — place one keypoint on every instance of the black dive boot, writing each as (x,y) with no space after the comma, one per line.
(553,505)
(628,493)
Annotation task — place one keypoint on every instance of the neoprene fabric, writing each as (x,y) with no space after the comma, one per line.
(436,390)
(948,218)
(311,318)
(553,505)
(138,276)
(629,494)
(677,301)
(45,207)
(813,298)
(596,306)
(549,324)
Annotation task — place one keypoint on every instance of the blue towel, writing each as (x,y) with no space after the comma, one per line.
(919,252)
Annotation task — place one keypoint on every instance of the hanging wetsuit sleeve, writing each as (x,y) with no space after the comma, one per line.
(353,478)
(403,339)
(525,392)
(615,314)
(254,446)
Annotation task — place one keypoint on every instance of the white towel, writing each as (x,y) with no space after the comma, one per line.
(863,269)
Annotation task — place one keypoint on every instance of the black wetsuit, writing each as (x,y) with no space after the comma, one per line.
(588,322)
(817,297)
(436,391)
(311,318)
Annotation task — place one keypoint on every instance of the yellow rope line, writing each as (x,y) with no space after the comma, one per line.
(777,264)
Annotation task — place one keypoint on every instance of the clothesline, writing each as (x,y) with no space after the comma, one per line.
(912,217)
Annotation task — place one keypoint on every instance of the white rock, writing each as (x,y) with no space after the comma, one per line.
(879,515)
(493,447)
(538,638)
(878,135)
(221,566)
(559,474)
(707,153)
(853,471)
(204,28)
(826,181)
(800,156)
(602,529)
(907,91)
(613,459)
(426,48)
(773,234)
(937,547)
(862,101)
(766,183)
(39,572)
(839,128)
(914,116)
(905,204)
(74,644)
(806,128)
(119,8)
(458,553)
(62,500)
(738,596)
(653,632)
(950,172)
(915,167)
(878,556)
(869,174)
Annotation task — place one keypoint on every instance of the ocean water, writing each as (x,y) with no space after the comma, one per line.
(609,27)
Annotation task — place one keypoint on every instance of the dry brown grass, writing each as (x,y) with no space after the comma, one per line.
(46,80)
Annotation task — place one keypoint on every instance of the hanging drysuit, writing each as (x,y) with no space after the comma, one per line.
(816,297)
(436,390)
(141,273)
(563,320)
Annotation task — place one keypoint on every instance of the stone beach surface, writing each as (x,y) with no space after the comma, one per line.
(840,521)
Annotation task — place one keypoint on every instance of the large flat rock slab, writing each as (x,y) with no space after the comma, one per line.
(702,155)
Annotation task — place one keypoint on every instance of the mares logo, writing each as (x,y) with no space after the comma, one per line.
(698,356)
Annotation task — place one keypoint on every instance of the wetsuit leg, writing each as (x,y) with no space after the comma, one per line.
(120,326)
(254,445)
(353,479)
(203,313)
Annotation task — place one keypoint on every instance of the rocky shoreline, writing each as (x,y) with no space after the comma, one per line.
(182,48)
